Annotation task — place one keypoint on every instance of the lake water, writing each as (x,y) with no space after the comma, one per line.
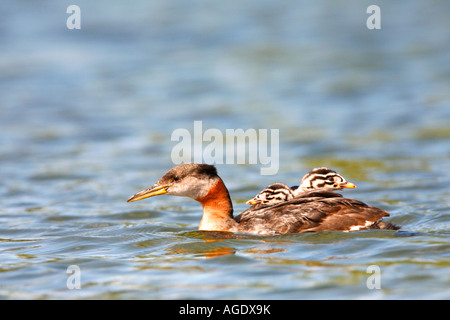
(87,115)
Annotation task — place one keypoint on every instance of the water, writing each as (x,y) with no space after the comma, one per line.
(86,118)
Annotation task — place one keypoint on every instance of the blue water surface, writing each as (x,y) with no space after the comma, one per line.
(87,116)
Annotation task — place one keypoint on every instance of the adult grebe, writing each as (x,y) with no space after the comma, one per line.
(321,178)
(311,211)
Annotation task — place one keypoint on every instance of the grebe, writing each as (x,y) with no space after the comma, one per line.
(311,211)
(274,193)
(321,178)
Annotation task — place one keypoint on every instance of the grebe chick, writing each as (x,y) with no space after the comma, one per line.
(311,211)
(322,179)
(274,193)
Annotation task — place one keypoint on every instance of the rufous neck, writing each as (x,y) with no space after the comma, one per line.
(217,209)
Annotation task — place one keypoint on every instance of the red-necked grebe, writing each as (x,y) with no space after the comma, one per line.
(310,211)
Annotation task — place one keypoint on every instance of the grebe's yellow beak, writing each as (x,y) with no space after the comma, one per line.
(347,185)
(150,192)
(252,202)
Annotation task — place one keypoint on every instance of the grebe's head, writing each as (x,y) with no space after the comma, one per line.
(272,194)
(323,179)
(188,179)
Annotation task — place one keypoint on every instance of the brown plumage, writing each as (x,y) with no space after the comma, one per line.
(315,211)
(310,211)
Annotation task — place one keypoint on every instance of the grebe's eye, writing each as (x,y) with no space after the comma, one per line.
(176,178)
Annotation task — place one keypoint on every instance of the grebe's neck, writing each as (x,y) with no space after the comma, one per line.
(217,209)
